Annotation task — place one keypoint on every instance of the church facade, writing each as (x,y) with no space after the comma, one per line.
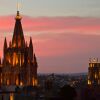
(94,72)
(19,65)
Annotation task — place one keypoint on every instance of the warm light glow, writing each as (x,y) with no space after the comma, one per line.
(95,76)
(90,65)
(11,96)
(89,82)
(33,81)
(36,82)
(8,58)
(21,83)
(28,61)
(15,59)
(14,44)
(20,59)
(8,82)
(18,17)
(17,81)
(23,59)
(18,6)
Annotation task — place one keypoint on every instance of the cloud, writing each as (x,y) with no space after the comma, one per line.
(82,25)
(64,44)
(66,53)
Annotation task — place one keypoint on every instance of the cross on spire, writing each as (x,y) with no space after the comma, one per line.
(18,5)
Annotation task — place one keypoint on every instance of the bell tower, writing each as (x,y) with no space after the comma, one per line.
(19,65)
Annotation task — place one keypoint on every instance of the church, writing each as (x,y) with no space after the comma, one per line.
(19,63)
(94,72)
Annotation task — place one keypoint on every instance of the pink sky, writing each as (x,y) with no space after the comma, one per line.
(62,44)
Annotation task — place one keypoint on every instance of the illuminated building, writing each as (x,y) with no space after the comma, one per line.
(94,72)
(19,65)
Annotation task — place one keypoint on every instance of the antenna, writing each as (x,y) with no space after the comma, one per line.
(18,5)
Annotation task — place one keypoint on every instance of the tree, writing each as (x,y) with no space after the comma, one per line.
(67,93)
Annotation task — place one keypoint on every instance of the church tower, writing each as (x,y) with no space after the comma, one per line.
(18,37)
(94,72)
(19,66)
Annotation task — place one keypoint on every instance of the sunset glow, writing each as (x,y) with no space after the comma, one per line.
(63,38)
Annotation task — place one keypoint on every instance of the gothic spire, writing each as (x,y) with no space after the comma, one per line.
(35,60)
(34,57)
(30,44)
(5,46)
(5,43)
(31,49)
(18,37)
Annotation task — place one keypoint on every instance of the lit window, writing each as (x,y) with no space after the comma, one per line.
(89,82)
(11,96)
(33,81)
(21,83)
(95,76)
(91,65)
(23,59)
(36,82)
(8,82)
(15,59)
(17,81)
(20,59)
(14,44)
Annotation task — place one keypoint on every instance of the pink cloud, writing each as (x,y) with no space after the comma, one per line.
(62,24)
(57,52)
(61,44)
(86,25)
(66,52)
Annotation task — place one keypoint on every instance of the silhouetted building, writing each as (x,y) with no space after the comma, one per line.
(94,72)
(68,93)
(19,65)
